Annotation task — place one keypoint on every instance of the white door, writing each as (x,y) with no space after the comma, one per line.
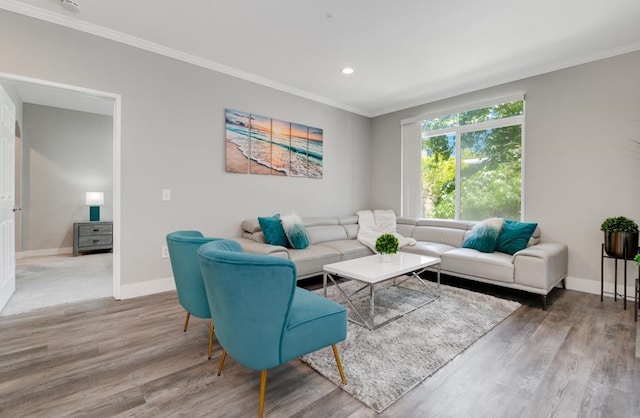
(7,198)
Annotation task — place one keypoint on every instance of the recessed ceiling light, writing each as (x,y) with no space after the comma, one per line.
(347,70)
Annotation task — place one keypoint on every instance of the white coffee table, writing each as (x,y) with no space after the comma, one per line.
(372,270)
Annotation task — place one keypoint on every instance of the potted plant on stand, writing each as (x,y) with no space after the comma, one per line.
(386,245)
(620,237)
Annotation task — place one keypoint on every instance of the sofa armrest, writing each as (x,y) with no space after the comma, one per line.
(542,265)
(251,246)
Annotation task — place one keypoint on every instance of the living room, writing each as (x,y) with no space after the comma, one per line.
(580,154)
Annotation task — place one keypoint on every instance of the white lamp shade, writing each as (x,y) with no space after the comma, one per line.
(95,198)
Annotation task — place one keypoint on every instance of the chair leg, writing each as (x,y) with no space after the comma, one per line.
(221,364)
(210,338)
(186,321)
(263,387)
(337,356)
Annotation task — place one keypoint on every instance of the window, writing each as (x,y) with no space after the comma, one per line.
(472,163)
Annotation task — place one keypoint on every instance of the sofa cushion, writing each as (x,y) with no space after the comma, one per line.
(484,235)
(350,224)
(348,248)
(432,249)
(312,259)
(323,233)
(250,226)
(448,236)
(320,220)
(466,261)
(514,236)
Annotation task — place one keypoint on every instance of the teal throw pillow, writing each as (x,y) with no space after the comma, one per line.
(484,236)
(272,230)
(295,232)
(514,236)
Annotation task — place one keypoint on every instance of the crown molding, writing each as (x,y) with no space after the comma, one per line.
(90,28)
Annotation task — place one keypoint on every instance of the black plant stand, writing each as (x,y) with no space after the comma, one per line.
(615,277)
(635,314)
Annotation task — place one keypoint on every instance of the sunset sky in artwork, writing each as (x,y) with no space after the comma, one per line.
(299,131)
(281,127)
(315,134)
(260,123)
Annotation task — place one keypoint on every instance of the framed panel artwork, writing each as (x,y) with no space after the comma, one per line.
(261,145)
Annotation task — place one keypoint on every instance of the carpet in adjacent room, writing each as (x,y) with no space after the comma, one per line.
(54,280)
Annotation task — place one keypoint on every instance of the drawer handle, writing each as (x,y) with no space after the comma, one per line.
(96,240)
(96,230)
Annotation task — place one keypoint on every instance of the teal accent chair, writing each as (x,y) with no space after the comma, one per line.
(183,253)
(262,318)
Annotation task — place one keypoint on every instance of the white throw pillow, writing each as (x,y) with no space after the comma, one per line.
(295,231)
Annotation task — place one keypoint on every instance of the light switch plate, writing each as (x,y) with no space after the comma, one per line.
(166,194)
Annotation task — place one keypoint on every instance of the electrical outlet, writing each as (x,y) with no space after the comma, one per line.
(164,252)
(166,195)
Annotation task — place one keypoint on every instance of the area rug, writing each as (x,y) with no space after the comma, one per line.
(382,365)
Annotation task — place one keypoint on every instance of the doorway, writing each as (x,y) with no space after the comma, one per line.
(61,96)
(18,190)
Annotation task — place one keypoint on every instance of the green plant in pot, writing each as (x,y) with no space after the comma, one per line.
(387,244)
(620,235)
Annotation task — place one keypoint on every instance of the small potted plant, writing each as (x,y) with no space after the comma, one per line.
(620,237)
(386,244)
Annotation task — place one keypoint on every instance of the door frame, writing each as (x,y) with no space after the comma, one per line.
(117,118)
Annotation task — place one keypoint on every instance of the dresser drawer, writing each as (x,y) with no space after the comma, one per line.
(100,229)
(95,241)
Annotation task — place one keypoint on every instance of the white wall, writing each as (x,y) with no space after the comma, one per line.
(65,154)
(173,137)
(581,164)
(16,99)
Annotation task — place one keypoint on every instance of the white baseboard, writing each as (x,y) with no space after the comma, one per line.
(128,291)
(592,286)
(44,253)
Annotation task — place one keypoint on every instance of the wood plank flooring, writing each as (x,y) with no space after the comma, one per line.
(131,359)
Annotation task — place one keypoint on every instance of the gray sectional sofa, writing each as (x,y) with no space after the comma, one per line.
(536,269)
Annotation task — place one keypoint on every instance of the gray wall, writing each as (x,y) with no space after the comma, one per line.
(173,137)
(581,164)
(65,154)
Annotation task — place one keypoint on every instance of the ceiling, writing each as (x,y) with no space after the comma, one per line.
(64,99)
(404,52)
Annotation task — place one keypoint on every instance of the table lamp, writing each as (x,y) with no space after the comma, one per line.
(94,201)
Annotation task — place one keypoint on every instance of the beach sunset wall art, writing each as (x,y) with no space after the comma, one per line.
(260,145)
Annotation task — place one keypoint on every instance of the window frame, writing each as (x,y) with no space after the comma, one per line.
(411,202)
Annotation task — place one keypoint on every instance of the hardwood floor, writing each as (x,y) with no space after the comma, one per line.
(130,358)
